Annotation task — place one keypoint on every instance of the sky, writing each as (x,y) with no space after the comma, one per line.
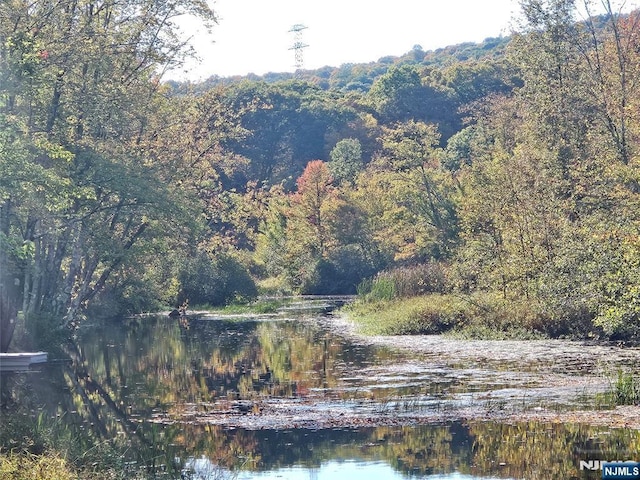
(253,36)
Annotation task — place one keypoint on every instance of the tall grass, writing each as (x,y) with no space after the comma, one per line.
(626,389)
(378,288)
(41,447)
(481,315)
(405,282)
(419,300)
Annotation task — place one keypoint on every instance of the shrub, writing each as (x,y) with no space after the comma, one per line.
(216,281)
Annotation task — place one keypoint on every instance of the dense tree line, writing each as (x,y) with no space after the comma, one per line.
(86,195)
(512,165)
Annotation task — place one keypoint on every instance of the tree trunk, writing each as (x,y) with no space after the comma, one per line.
(8,315)
(8,284)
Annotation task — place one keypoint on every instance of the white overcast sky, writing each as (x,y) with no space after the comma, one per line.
(253,35)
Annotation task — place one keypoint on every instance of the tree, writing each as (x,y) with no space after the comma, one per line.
(402,95)
(410,153)
(589,69)
(549,200)
(346,160)
(398,95)
(473,80)
(314,189)
(511,222)
(611,57)
(271,239)
(81,81)
(286,123)
(554,94)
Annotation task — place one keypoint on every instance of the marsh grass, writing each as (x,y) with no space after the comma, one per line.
(36,447)
(378,289)
(626,389)
(260,306)
(404,282)
(477,316)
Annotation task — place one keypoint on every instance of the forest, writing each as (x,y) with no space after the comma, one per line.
(496,181)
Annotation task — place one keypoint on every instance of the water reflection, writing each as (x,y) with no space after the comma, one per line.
(285,397)
(475,450)
(160,370)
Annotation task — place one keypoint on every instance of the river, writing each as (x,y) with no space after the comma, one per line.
(298,395)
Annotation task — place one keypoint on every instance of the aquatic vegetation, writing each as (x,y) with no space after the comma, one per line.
(626,389)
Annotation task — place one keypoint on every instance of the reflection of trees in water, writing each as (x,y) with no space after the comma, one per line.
(62,407)
(155,363)
(275,449)
(123,375)
(547,450)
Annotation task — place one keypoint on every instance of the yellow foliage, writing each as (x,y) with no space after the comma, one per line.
(35,467)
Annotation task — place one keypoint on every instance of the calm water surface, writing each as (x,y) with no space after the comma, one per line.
(286,397)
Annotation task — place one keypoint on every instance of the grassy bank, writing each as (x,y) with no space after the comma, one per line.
(15,466)
(427,299)
(478,315)
(259,306)
(36,447)
(51,465)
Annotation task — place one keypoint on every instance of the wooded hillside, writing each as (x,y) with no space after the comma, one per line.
(508,168)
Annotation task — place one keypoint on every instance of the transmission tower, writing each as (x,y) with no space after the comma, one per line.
(298,45)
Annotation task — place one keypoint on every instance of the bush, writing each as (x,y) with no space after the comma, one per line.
(218,281)
(337,275)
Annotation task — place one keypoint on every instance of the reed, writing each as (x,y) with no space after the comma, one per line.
(405,282)
(626,389)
